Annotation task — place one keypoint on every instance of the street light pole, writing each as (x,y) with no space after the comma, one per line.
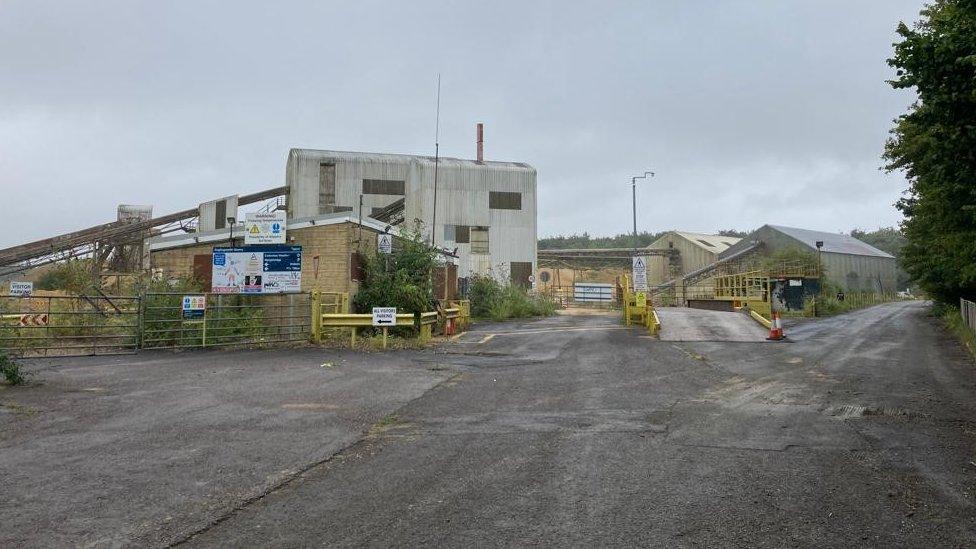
(633,189)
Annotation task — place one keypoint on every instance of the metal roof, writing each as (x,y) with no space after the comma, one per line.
(833,243)
(713,243)
(443,161)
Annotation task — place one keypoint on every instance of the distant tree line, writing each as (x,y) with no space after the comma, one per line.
(888,239)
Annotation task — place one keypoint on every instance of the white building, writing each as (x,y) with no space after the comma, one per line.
(487,210)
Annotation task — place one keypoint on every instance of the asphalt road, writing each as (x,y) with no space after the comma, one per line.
(145,450)
(572,431)
(684,324)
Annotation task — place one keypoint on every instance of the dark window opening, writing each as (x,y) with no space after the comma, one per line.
(383,186)
(462,234)
(221,214)
(499,200)
(327,187)
(521,273)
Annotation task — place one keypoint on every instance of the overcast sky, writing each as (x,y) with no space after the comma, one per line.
(750,112)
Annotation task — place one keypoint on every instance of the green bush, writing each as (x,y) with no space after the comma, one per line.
(11,370)
(491,299)
(74,276)
(402,279)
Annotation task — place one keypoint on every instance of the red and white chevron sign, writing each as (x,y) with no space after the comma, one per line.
(33,320)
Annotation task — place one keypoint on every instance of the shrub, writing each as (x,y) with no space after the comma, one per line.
(402,279)
(73,275)
(491,299)
(11,370)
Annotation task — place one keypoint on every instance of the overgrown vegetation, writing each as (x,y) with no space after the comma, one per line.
(933,145)
(11,370)
(951,315)
(73,276)
(402,279)
(497,301)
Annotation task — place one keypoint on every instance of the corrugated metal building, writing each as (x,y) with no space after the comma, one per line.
(695,251)
(849,263)
(487,210)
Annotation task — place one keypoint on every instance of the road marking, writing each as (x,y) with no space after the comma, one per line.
(486,339)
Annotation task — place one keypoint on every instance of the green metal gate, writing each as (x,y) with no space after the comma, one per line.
(61,326)
(226,319)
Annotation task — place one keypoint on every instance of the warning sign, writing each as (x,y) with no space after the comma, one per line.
(640,300)
(194,306)
(384,243)
(264,227)
(29,320)
(640,274)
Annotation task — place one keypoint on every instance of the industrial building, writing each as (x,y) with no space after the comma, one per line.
(485,210)
(331,244)
(848,263)
(694,251)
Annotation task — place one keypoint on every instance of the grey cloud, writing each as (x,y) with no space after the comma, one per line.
(750,112)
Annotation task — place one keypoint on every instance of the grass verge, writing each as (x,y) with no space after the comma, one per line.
(953,320)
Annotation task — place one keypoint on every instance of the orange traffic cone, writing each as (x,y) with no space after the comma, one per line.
(776,329)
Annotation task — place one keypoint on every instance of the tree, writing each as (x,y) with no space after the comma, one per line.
(886,239)
(934,143)
(734,233)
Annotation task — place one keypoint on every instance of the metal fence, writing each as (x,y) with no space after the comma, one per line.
(60,325)
(968,310)
(227,319)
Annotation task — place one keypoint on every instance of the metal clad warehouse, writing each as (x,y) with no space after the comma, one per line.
(849,263)
(487,210)
(695,251)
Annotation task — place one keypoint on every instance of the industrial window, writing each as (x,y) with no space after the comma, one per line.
(521,273)
(448,233)
(479,240)
(220,215)
(706,243)
(327,187)
(383,186)
(499,200)
(462,234)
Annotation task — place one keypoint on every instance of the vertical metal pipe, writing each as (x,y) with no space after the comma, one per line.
(481,142)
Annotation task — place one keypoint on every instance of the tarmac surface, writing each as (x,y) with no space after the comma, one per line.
(571,430)
(684,324)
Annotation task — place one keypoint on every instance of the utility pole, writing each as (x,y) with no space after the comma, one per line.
(633,189)
(437,155)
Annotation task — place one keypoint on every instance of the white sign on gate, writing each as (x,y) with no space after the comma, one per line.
(384,243)
(265,227)
(21,289)
(384,316)
(640,274)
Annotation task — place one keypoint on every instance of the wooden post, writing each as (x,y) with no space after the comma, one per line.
(384,336)
(352,338)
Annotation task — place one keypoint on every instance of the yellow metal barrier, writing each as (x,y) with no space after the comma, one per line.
(760,319)
(639,309)
(356,321)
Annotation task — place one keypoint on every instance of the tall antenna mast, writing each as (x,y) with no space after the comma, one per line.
(437,156)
